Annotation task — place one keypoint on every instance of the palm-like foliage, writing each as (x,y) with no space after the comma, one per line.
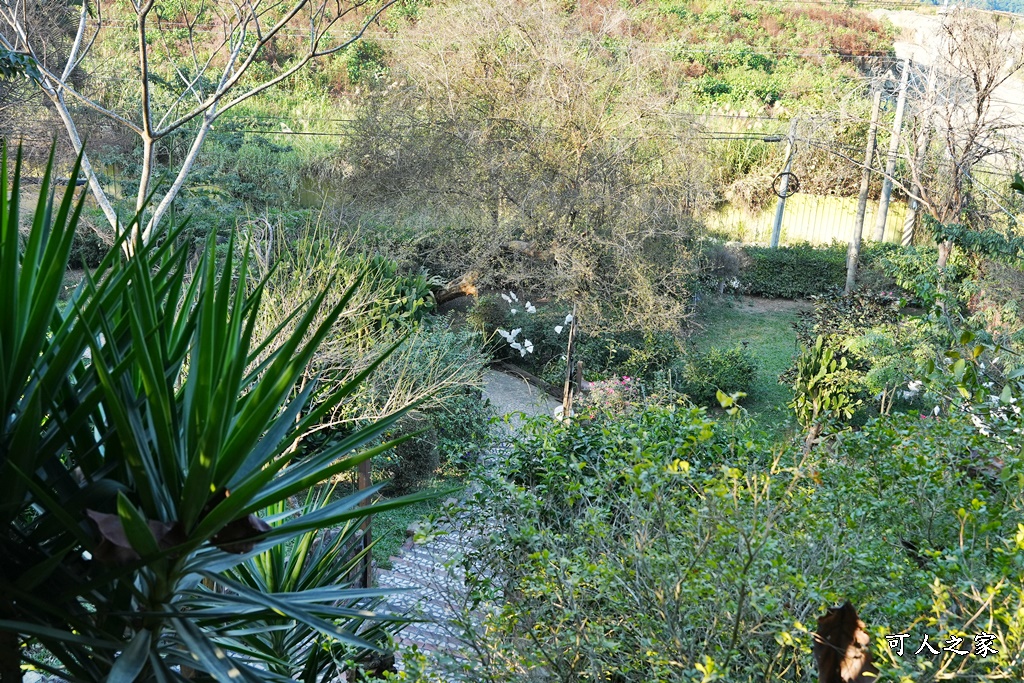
(140,439)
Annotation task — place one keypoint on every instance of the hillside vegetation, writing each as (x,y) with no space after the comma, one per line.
(546,146)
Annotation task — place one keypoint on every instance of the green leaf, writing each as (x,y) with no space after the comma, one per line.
(136,528)
(129,663)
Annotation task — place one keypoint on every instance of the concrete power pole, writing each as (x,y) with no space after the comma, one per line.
(923,140)
(890,160)
(862,200)
(780,208)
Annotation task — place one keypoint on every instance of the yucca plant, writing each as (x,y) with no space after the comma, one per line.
(144,431)
(317,560)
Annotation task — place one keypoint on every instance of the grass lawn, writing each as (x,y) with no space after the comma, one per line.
(389,526)
(767,327)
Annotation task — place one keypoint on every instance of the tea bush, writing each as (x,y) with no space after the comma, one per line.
(795,271)
(915,270)
(462,424)
(632,353)
(662,546)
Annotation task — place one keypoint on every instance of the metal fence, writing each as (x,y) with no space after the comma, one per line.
(818,219)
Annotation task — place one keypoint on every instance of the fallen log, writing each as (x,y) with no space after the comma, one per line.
(460,287)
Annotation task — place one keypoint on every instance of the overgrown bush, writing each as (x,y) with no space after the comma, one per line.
(836,317)
(722,266)
(915,270)
(795,271)
(433,360)
(617,352)
(88,248)
(630,353)
(701,374)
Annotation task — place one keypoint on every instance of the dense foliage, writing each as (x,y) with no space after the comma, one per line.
(794,271)
(700,375)
(147,448)
(661,545)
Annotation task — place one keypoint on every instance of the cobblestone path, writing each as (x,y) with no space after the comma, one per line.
(436,592)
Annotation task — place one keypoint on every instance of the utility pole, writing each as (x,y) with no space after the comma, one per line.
(853,254)
(890,160)
(780,208)
(923,140)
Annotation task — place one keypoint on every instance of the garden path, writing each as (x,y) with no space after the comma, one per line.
(429,570)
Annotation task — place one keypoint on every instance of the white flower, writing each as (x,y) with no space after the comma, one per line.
(915,386)
(514,297)
(515,333)
(528,345)
(513,311)
(530,308)
(522,352)
(735,283)
(568,319)
(935,410)
(505,335)
(505,297)
(517,346)
(558,329)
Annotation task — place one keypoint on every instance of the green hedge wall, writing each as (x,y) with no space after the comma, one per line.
(793,272)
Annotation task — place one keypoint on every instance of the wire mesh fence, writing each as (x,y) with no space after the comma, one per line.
(818,219)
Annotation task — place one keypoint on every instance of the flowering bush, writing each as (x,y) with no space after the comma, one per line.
(615,395)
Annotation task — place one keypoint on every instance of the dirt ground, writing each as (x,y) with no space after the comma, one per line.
(755,304)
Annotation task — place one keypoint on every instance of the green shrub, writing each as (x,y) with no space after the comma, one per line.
(824,389)
(795,271)
(626,353)
(88,248)
(415,460)
(434,365)
(915,269)
(462,424)
(837,317)
(700,375)
(487,314)
(662,546)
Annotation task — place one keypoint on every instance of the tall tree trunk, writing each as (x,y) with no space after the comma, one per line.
(945,249)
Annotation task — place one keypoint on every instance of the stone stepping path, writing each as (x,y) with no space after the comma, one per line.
(436,594)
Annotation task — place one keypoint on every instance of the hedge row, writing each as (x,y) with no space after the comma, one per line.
(794,272)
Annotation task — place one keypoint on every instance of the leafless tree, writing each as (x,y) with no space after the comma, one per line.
(979,53)
(217,43)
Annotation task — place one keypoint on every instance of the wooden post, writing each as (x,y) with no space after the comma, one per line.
(366,573)
(780,208)
(890,160)
(862,200)
(567,388)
